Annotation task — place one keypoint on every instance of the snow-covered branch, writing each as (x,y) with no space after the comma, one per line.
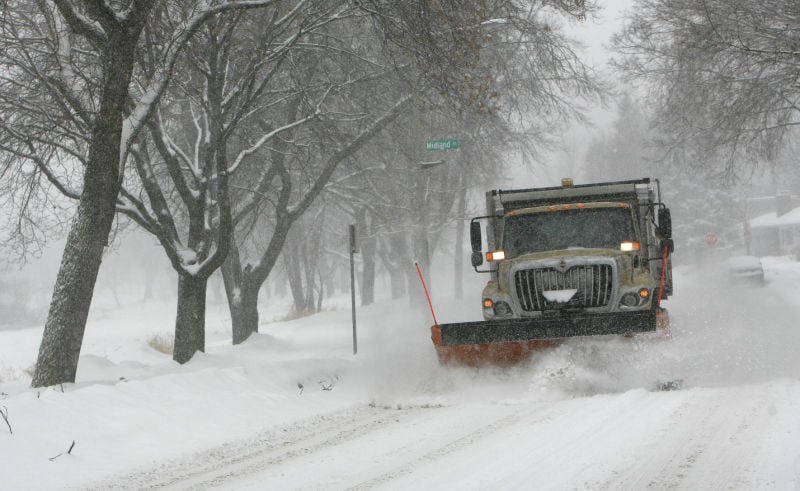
(81,24)
(160,79)
(34,156)
(351,148)
(70,84)
(265,138)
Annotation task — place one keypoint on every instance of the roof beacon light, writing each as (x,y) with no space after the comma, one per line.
(566,182)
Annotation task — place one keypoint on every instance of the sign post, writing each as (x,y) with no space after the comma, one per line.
(353,250)
(711,239)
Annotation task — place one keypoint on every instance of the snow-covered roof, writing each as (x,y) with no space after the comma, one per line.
(772,220)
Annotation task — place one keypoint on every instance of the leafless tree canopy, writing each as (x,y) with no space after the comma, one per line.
(724,74)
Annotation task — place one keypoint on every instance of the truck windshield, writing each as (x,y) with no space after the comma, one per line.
(591,228)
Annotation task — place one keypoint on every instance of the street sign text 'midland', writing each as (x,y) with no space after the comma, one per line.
(449,144)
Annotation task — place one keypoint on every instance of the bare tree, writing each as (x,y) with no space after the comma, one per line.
(249,118)
(203,138)
(246,280)
(723,75)
(74,60)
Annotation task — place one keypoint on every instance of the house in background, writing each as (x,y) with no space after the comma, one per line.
(776,233)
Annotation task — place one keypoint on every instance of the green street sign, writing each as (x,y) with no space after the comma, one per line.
(449,144)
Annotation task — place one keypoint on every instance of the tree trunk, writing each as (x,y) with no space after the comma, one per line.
(414,287)
(398,283)
(248,318)
(243,285)
(72,296)
(242,297)
(308,274)
(421,255)
(190,324)
(368,250)
(395,257)
(295,282)
(368,276)
(149,279)
(458,257)
(244,315)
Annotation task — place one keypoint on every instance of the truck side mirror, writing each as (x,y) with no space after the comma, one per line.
(664,223)
(475,235)
(475,242)
(477,259)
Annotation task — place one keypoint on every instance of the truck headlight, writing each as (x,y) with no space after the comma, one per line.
(630,299)
(635,299)
(502,309)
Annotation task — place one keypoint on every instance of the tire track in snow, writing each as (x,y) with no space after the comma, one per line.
(268,454)
(215,466)
(705,438)
(450,447)
(708,440)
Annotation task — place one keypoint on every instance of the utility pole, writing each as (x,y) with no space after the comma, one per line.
(422,247)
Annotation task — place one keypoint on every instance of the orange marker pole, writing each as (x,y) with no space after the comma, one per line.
(427,295)
(663,273)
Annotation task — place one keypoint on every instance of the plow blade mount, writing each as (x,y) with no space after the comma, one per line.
(507,342)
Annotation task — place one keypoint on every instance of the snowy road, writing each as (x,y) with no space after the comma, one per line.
(721,438)
(583,416)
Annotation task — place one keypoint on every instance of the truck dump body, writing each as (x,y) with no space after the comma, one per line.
(584,193)
(565,262)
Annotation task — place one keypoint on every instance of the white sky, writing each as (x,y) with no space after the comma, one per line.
(595,35)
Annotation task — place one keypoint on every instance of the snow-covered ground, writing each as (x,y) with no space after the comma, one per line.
(293,408)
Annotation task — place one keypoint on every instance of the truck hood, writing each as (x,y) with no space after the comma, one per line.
(567,253)
(564,259)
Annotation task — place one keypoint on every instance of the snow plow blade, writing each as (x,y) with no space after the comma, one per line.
(508,342)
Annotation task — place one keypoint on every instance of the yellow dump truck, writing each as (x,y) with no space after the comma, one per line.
(575,260)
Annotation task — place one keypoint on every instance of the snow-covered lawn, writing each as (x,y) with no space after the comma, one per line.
(293,408)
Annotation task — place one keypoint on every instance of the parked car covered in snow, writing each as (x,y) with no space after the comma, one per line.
(745,269)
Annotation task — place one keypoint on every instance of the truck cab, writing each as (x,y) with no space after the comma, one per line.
(594,248)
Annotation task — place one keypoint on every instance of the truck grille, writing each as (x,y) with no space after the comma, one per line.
(593,282)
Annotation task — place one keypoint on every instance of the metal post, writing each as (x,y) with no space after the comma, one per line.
(423,178)
(353,250)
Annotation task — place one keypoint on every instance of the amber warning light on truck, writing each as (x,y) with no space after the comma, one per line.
(629,246)
(495,255)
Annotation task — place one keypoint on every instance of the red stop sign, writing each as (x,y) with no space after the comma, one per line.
(711,239)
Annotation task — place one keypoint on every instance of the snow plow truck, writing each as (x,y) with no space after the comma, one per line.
(575,260)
